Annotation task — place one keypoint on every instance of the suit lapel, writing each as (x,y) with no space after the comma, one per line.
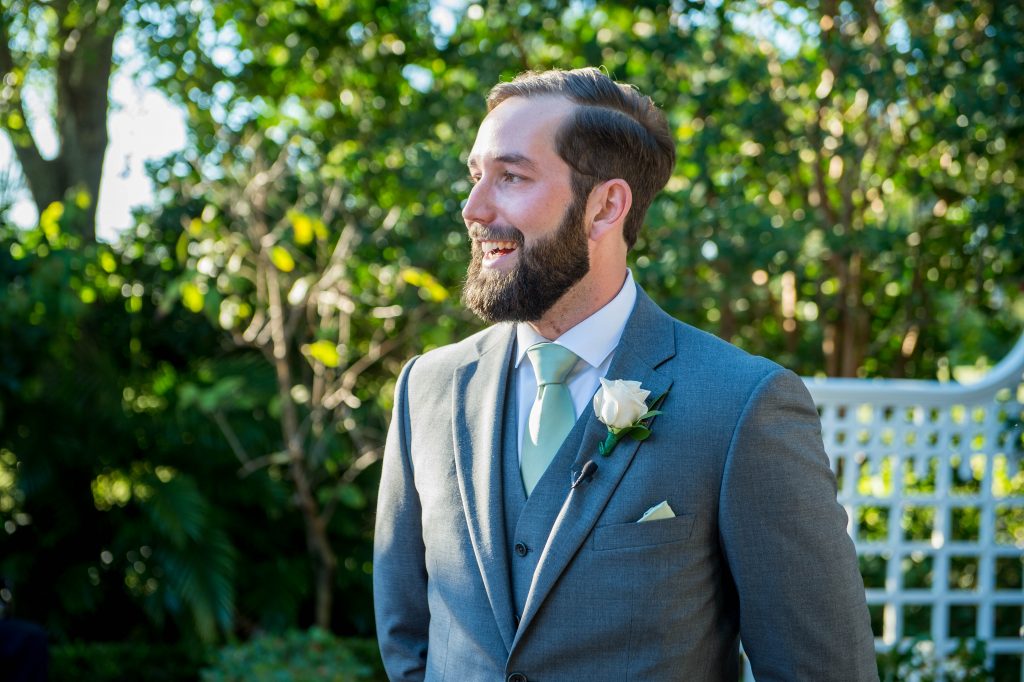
(479,403)
(647,341)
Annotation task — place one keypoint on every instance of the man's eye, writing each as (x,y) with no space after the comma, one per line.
(512,177)
(473,179)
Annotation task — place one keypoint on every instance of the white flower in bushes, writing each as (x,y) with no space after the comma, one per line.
(620,404)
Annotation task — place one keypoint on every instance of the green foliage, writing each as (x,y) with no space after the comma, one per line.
(296,656)
(115,662)
(152,514)
(916,659)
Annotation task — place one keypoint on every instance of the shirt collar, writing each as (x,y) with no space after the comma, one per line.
(594,338)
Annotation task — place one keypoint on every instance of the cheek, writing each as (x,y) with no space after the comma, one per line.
(540,207)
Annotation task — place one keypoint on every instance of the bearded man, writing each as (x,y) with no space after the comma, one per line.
(590,489)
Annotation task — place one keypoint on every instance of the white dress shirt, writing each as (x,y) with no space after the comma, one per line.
(593,340)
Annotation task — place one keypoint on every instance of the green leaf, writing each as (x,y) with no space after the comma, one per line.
(176,508)
(108,262)
(640,433)
(278,55)
(181,247)
(49,220)
(351,496)
(192,297)
(282,259)
(302,226)
(324,352)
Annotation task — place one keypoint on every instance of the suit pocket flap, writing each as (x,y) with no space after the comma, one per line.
(623,535)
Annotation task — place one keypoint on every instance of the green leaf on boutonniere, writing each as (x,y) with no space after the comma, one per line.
(640,433)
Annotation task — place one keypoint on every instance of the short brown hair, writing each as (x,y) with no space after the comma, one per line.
(614,132)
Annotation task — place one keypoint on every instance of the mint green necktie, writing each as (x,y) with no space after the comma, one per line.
(553,415)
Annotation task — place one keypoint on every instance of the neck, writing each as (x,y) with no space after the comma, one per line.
(584,299)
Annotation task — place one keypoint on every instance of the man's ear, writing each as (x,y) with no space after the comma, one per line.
(609,203)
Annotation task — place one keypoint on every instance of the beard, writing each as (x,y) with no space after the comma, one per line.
(544,272)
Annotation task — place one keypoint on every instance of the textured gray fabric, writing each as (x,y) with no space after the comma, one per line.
(758,548)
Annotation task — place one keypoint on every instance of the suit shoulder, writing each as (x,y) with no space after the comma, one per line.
(715,357)
(439,363)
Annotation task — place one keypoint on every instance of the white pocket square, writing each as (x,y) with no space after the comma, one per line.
(658,512)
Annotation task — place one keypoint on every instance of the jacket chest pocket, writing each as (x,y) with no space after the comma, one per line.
(650,533)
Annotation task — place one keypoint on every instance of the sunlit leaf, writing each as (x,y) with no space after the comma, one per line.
(413,276)
(108,262)
(282,259)
(277,55)
(430,288)
(49,220)
(82,199)
(302,225)
(192,297)
(325,352)
(320,229)
(181,248)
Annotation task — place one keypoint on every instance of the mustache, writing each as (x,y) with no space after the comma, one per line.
(496,233)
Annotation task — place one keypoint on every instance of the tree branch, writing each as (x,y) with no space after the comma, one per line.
(363,462)
(232,438)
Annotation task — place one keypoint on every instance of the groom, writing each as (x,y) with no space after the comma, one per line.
(515,539)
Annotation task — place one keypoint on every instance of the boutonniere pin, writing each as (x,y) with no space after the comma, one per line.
(621,406)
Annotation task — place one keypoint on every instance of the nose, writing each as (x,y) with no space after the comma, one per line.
(478,207)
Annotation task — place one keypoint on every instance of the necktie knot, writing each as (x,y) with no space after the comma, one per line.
(551,362)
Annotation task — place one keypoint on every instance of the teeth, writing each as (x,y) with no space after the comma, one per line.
(487,247)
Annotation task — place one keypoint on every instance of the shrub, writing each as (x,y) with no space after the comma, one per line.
(312,654)
(118,661)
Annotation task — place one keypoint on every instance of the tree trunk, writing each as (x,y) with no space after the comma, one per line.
(316,525)
(852,317)
(82,81)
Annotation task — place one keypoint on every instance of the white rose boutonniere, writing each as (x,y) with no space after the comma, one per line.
(621,406)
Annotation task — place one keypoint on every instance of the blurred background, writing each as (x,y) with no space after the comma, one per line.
(225,225)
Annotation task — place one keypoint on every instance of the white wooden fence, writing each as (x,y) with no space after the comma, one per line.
(931,477)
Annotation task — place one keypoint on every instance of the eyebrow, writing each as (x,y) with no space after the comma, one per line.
(512,159)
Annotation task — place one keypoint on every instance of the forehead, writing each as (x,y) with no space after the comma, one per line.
(521,127)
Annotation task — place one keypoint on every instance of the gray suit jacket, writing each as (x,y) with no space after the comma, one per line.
(758,549)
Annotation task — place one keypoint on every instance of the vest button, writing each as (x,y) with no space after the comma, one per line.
(517,677)
(521,550)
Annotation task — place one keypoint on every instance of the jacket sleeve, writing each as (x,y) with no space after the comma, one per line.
(803,614)
(399,571)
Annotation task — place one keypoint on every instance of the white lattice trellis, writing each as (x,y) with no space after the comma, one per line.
(930,476)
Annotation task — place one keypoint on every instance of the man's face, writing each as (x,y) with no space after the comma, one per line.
(529,240)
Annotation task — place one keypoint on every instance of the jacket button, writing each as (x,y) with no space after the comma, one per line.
(516,677)
(521,550)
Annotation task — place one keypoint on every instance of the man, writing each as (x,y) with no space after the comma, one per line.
(520,538)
